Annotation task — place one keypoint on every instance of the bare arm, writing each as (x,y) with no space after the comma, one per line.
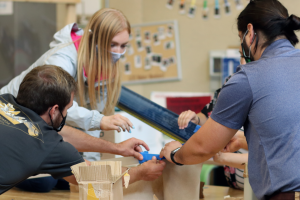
(202,118)
(231,159)
(211,138)
(148,171)
(86,143)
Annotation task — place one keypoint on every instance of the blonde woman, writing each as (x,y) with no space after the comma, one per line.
(91,56)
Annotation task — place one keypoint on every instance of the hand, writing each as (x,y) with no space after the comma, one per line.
(131,147)
(115,122)
(166,151)
(152,169)
(185,117)
(237,142)
(219,157)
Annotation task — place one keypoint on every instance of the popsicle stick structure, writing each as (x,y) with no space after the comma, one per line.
(102,180)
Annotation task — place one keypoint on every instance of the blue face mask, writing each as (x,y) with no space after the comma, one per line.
(116,56)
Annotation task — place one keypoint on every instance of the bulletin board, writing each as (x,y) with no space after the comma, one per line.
(152,54)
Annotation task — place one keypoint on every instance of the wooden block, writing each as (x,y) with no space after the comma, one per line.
(74,188)
(108,136)
(201,196)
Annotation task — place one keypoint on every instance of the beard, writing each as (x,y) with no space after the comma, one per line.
(56,122)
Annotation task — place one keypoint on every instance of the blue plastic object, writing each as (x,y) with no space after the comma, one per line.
(154,115)
(197,128)
(147,156)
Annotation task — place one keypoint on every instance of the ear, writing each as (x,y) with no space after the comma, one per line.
(53,112)
(251,34)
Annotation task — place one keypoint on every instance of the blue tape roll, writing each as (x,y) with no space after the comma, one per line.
(147,156)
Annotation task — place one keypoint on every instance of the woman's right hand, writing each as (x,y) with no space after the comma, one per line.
(185,117)
(115,122)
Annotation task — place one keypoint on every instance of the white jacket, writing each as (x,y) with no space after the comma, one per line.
(63,53)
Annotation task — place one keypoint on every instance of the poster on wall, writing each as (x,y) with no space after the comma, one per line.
(152,54)
(6,8)
(229,66)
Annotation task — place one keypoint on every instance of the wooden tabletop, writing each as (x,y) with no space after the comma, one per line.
(217,192)
(210,193)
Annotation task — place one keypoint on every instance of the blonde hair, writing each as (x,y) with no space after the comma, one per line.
(102,27)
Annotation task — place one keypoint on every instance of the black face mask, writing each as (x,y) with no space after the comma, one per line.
(245,48)
(63,122)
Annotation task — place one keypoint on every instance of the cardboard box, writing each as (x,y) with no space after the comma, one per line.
(100,181)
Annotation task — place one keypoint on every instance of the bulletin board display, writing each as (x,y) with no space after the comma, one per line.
(152,54)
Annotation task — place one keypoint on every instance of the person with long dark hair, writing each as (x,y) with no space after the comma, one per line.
(263,97)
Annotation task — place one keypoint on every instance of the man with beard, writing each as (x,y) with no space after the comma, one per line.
(29,124)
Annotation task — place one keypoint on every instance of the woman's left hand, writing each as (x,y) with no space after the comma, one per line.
(115,122)
(185,117)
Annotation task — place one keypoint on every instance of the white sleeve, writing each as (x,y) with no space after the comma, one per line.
(77,116)
(13,86)
(83,118)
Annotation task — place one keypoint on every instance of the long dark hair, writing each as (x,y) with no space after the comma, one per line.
(271,18)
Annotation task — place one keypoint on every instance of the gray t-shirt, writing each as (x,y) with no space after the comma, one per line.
(29,146)
(264,97)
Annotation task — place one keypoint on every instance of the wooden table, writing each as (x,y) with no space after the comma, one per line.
(218,192)
(210,193)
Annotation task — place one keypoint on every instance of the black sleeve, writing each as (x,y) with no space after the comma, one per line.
(59,161)
(210,106)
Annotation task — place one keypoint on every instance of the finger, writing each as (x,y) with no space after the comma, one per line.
(138,156)
(180,117)
(181,120)
(138,149)
(128,122)
(127,128)
(123,127)
(154,159)
(117,128)
(141,142)
(161,155)
(123,122)
(119,122)
(184,119)
(188,118)
(162,163)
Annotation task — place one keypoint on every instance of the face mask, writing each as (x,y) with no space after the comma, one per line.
(63,122)
(247,58)
(116,56)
